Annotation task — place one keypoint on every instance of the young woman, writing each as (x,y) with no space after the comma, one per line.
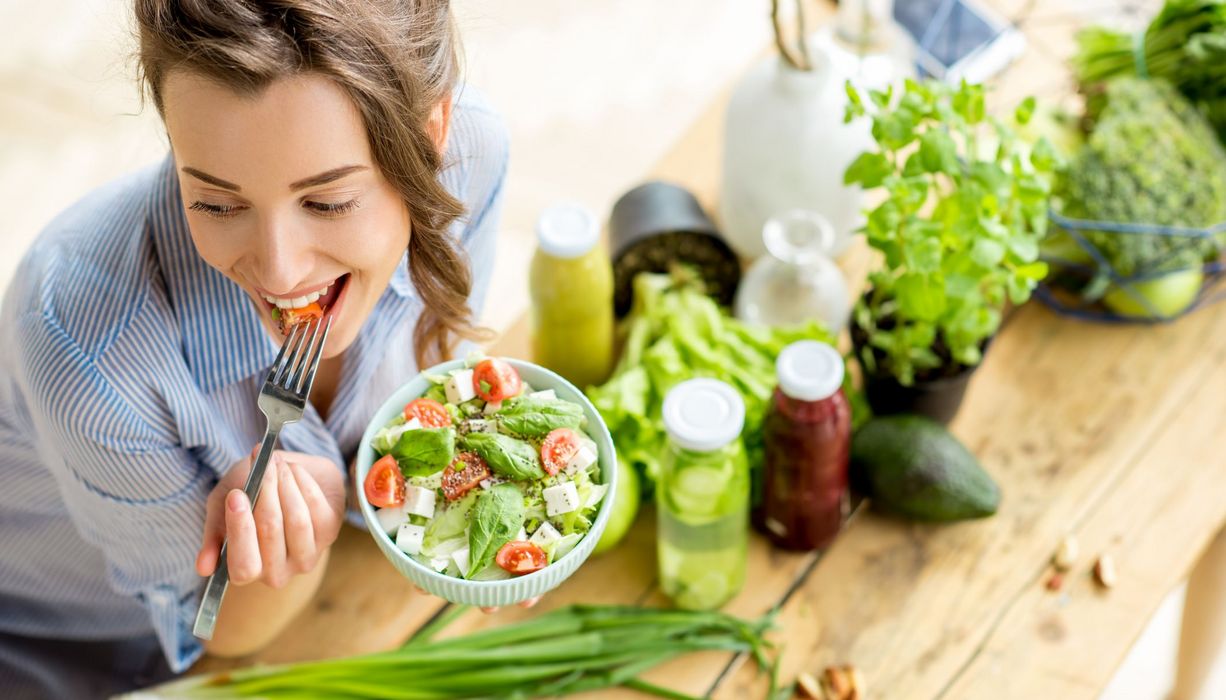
(321,151)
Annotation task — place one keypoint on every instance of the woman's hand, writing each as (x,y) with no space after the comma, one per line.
(298,516)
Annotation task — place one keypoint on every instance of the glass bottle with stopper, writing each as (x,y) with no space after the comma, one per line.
(796,282)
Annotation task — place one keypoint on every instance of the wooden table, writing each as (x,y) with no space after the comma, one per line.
(1111,434)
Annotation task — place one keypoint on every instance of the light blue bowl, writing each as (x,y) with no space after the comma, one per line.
(489,593)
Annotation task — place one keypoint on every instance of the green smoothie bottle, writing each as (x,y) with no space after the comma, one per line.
(571,282)
(703,496)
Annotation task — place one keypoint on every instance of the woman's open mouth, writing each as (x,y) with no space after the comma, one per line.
(288,312)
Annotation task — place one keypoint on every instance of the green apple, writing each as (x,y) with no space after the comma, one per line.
(625,507)
(1169,295)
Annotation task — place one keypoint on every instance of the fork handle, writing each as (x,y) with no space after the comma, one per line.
(215,589)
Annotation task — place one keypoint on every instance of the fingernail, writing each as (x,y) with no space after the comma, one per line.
(236,502)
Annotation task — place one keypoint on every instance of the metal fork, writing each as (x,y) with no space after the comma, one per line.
(282,400)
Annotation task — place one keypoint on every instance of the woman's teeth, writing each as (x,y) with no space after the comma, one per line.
(296,302)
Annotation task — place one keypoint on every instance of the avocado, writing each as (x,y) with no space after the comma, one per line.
(910,465)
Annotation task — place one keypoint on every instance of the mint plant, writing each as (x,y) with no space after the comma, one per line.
(959,228)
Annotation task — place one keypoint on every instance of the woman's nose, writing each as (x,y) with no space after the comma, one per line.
(282,257)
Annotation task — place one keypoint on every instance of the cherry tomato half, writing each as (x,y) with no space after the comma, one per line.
(292,317)
(496,380)
(559,447)
(520,557)
(464,473)
(431,413)
(384,484)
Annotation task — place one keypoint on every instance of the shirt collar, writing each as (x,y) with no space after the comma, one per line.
(222,338)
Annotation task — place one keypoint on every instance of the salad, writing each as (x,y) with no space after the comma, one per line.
(484,478)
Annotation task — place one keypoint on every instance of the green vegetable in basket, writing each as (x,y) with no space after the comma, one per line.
(1184,44)
(1150,158)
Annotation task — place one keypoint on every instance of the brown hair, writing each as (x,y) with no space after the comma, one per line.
(396,59)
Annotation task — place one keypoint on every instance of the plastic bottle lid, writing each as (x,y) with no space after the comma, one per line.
(703,414)
(567,230)
(809,370)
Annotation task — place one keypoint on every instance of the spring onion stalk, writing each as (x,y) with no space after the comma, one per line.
(570,650)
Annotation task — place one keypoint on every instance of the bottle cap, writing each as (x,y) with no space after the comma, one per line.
(703,414)
(809,370)
(567,230)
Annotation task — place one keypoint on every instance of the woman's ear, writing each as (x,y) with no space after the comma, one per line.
(439,124)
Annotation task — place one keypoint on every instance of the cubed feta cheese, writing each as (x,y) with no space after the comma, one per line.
(440,564)
(523,535)
(459,387)
(561,498)
(545,535)
(409,538)
(419,501)
(460,557)
(411,424)
(492,407)
(390,519)
(547,394)
(581,460)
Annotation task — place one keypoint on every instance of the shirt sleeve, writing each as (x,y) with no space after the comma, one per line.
(137,497)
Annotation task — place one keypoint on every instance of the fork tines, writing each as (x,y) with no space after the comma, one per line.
(295,366)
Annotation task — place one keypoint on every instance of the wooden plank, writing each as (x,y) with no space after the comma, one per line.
(1057,414)
(1154,525)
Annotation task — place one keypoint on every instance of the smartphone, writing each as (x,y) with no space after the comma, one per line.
(958,39)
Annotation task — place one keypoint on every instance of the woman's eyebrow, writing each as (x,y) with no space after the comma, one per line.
(326,177)
(212,180)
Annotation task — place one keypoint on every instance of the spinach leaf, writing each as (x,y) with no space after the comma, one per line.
(426,451)
(507,457)
(535,417)
(496,519)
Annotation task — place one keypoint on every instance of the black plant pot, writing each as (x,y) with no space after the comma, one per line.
(938,398)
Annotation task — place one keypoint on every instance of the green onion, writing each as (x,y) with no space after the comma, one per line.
(570,650)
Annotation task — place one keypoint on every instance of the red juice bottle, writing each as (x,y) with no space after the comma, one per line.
(807,431)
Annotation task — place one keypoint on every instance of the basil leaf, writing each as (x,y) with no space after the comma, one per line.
(496,519)
(507,457)
(426,451)
(535,417)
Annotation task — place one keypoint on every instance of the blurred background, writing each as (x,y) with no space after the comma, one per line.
(594,93)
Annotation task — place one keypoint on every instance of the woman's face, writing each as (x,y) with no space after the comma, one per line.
(283,196)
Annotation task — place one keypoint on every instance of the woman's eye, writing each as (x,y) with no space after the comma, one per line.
(331,209)
(217,211)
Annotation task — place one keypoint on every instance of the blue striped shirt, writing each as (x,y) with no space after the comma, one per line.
(129,370)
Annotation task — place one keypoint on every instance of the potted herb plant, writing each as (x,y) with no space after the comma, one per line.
(964,207)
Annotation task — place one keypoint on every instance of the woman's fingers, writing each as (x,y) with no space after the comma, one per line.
(242,548)
(270,529)
(327,521)
(214,534)
(299,531)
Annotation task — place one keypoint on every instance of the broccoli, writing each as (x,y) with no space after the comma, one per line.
(1150,158)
